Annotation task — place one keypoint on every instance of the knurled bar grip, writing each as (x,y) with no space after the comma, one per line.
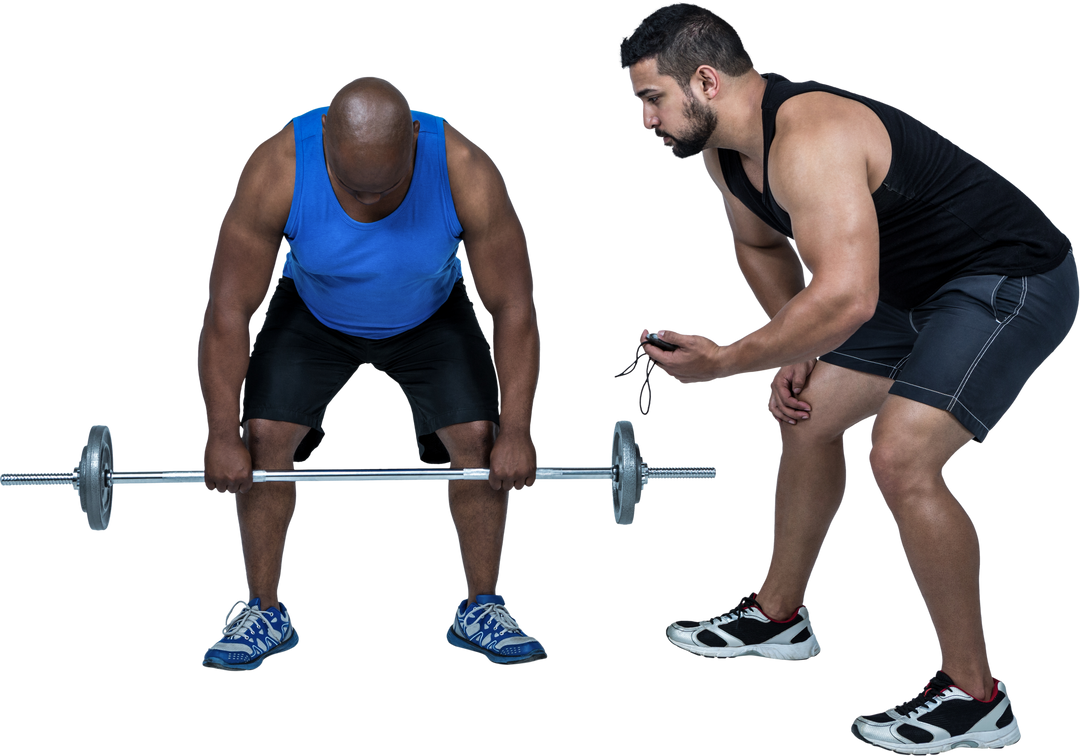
(39,479)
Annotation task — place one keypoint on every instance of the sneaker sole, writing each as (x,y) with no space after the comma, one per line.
(994,739)
(457,640)
(790,652)
(285,645)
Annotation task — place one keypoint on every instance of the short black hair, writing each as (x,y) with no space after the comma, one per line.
(681,38)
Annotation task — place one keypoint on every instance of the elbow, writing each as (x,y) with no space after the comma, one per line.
(863,308)
(858,302)
(855,311)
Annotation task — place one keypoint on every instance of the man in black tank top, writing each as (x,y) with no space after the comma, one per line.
(937,289)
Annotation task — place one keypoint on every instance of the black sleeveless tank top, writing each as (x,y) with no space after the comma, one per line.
(942,214)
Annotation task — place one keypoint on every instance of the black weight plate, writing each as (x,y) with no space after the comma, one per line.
(94,489)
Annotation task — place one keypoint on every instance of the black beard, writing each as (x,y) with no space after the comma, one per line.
(702,125)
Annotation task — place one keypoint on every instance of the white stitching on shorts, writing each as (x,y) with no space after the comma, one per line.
(993,297)
(989,341)
(893,370)
(953,402)
(900,366)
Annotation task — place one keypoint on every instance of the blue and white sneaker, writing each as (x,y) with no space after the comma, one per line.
(487,628)
(251,636)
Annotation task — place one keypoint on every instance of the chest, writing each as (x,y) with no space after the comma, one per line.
(755,172)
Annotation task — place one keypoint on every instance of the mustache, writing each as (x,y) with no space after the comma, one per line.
(660,133)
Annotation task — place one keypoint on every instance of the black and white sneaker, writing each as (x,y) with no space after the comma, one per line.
(943,717)
(746,631)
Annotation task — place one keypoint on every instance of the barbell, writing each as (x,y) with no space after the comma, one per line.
(95,478)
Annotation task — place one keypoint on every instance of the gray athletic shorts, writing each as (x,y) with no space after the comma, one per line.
(970,348)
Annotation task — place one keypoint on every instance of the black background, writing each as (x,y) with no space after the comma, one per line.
(123,165)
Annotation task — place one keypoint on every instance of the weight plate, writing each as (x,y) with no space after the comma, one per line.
(626,485)
(95,493)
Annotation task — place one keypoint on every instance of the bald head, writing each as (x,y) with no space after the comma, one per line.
(369,114)
(369,138)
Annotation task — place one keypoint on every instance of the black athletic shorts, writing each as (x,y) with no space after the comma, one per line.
(443,365)
(970,348)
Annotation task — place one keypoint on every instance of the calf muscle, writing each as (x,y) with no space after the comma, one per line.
(812,476)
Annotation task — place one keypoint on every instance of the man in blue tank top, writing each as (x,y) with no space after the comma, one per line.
(937,289)
(373,199)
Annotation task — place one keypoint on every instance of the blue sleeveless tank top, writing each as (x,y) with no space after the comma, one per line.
(372,279)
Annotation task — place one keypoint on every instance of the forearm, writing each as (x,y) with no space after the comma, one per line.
(224,347)
(809,325)
(517,362)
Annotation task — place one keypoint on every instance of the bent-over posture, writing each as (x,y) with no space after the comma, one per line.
(937,289)
(373,198)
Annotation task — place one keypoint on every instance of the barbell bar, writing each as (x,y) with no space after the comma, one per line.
(95,478)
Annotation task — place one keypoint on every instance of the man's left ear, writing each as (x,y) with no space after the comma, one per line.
(708,79)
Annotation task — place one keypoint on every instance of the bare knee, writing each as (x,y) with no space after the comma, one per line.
(817,431)
(272,443)
(902,474)
(469,444)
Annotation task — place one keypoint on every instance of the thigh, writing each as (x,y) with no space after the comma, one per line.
(838,398)
(297,366)
(911,430)
(444,367)
(981,338)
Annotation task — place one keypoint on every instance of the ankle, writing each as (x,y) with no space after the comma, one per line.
(777,608)
(265,604)
(978,685)
(779,615)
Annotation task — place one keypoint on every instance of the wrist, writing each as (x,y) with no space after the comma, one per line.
(513,430)
(722,362)
(224,433)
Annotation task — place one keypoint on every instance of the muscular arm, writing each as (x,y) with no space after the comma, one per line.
(766,259)
(495,246)
(243,265)
(819,175)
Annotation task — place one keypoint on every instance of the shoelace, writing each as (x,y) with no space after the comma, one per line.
(933,689)
(238,606)
(499,614)
(648,371)
(744,606)
(244,622)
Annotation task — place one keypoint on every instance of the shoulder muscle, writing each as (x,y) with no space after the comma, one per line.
(819,172)
(475,183)
(264,192)
(253,226)
(824,140)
